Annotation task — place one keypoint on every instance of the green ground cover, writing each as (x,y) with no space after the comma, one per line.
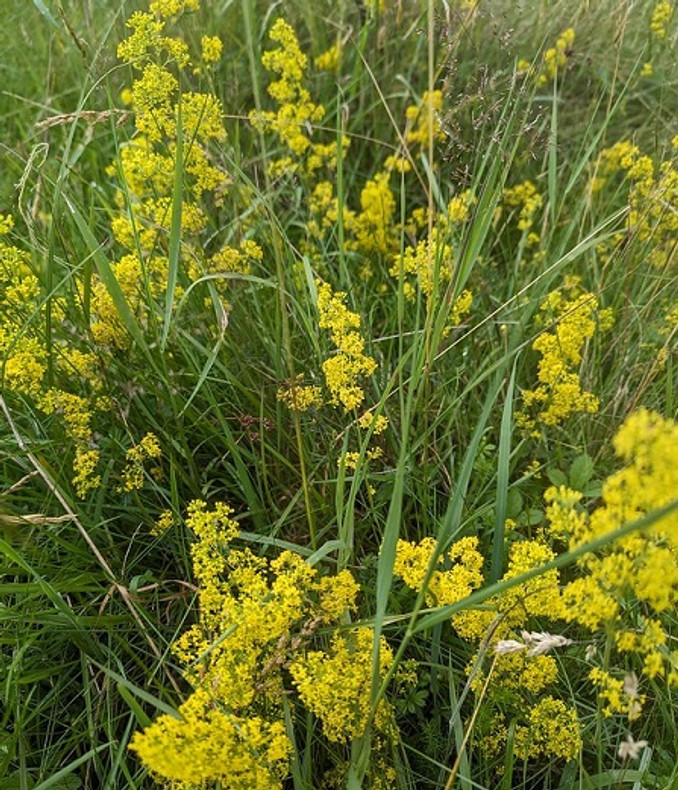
(337,377)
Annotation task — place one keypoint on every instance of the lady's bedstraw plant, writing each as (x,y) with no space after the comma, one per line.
(623,591)
(615,601)
(553,61)
(259,620)
(398,210)
(571,317)
(67,380)
(651,192)
(73,390)
(545,726)
(344,369)
(296,113)
(271,634)
(167,116)
(660,19)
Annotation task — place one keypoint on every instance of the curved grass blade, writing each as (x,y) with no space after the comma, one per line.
(110,281)
(502,480)
(480,596)
(175,230)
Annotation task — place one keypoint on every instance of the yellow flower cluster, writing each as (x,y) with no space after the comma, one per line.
(147,42)
(296,111)
(552,730)
(652,198)
(431,262)
(335,684)
(259,620)
(371,230)
(461,307)
(429,265)
(518,677)
(554,60)
(162,524)
(108,330)
(6,224)
(207,744)
(300,397)
(642,564)
(559,393)
(170,8)
(661,16)
(538,597)
(148,449)
(212,48)
(373,225)
(23,354)
(517,673)
(351,458)
(614,696)
(227,260)
(146,170)
(459,207)
(526,198)
(330,59)
(77,416)
(423,119)
(24,358)
(323,209)
(377,423)
(344,369)
(445,586)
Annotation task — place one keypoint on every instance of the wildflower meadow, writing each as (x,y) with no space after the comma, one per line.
(338,395)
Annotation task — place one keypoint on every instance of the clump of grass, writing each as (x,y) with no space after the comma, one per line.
(338,395)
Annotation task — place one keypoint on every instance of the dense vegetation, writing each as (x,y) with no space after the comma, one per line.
(338,371)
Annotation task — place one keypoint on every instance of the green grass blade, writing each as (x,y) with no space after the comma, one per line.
(561,561)
(67,770)
(109,279)
(143,719)
(175,230)
(45,12)
(552,182)
(163,707)
(502,480)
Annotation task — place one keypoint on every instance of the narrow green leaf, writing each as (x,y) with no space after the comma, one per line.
(295,763)
(133,705)
(480,596)
(56,779)
(387,555)
(553,156)
(204,373)
(175,230)
(324,550)
(44,11)
(44,586)
(109,279)
(453,513)
(502,480)
(138,692)
(352,781)
(506,782)
(458,731)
